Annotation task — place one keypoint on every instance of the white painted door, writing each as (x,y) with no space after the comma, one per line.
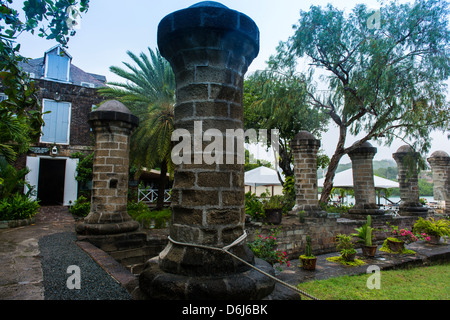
(70,183)
(33,176)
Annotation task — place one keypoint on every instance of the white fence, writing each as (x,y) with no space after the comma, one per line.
(150,195)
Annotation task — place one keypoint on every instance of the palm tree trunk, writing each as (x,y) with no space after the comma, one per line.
(162,186)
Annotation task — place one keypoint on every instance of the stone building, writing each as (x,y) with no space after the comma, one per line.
(69,93)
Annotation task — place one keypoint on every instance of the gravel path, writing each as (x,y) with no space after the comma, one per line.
(58,252)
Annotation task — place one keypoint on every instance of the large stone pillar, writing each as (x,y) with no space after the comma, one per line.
(363,182)
(406,159)
(112,124)
(209,48)
(440,166)
(305,147)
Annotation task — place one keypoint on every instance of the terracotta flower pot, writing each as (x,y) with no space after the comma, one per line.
(349,257)
(273,216)
(434,239)
(396,246)
(369,251)
(308,263)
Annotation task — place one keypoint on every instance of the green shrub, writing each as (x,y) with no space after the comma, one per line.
(289,194)
(81,207)
(18,207)
(12,180)
(253,207)
(157,219)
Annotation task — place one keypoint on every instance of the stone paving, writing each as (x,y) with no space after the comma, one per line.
(21,272)
(20,265)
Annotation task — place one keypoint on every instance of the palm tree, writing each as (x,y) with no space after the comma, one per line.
(149,93)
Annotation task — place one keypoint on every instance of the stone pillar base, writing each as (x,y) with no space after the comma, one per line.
(84,228)
(116,242)
(366,212)
(313,212)
(366,209)
(413,211)
(248,285)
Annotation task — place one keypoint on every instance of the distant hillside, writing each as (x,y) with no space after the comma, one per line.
(378,165)
(388,169)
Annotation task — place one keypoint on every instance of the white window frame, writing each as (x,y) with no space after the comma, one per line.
(58,52)
(3,96)
(68,125)
(87,84)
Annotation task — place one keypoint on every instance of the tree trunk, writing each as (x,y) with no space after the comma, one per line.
(285,163)
(329,177)
(332,166)
(162,186)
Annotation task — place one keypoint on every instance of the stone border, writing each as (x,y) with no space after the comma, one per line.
(117,271)
(6,224)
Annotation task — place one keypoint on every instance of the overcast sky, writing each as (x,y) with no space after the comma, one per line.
(111,27)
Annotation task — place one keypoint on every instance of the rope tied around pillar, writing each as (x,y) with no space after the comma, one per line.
(234,243)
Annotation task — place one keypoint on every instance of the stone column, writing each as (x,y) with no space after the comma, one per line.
(440,166)
(406,159)
(209,48)
(112,124)
(305,147)
(363,183)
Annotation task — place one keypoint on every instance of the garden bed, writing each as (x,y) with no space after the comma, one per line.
(17,223)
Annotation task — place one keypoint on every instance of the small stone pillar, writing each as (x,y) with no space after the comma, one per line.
(440,166)
(112,124)
(410,205)
(305,147)
(209,48)
(363,182)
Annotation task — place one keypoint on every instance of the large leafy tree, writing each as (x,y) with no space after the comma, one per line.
(20,113)
(384,80)
(277,99)
(149,93)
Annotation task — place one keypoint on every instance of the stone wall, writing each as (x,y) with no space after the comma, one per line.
(323,231)
(81,98)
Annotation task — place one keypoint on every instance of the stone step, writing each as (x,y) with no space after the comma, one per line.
(133,255)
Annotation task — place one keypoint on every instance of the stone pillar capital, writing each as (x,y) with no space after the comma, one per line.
(305,140)
(366,151)
(206,25)
(439,158)
(112,111)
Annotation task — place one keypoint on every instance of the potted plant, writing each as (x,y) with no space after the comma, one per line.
(435,229)
(399,238)
(346,247)
(308,260)
(265,247)
(365,236)
(273,208)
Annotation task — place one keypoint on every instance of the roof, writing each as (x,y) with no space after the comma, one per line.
(262,176)
(77,76)
(344,179)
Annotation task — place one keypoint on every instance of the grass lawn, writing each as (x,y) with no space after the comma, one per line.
(421,283)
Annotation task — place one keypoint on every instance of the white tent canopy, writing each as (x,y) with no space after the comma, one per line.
(262,176)
(344,179)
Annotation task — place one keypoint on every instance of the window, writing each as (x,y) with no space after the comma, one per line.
(57,122)
(87,85)
(57,67)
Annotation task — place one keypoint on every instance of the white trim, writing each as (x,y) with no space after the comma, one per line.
(70,183)
(32,177)
(68,125)
(45,66)
(68,70)
(87,84)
